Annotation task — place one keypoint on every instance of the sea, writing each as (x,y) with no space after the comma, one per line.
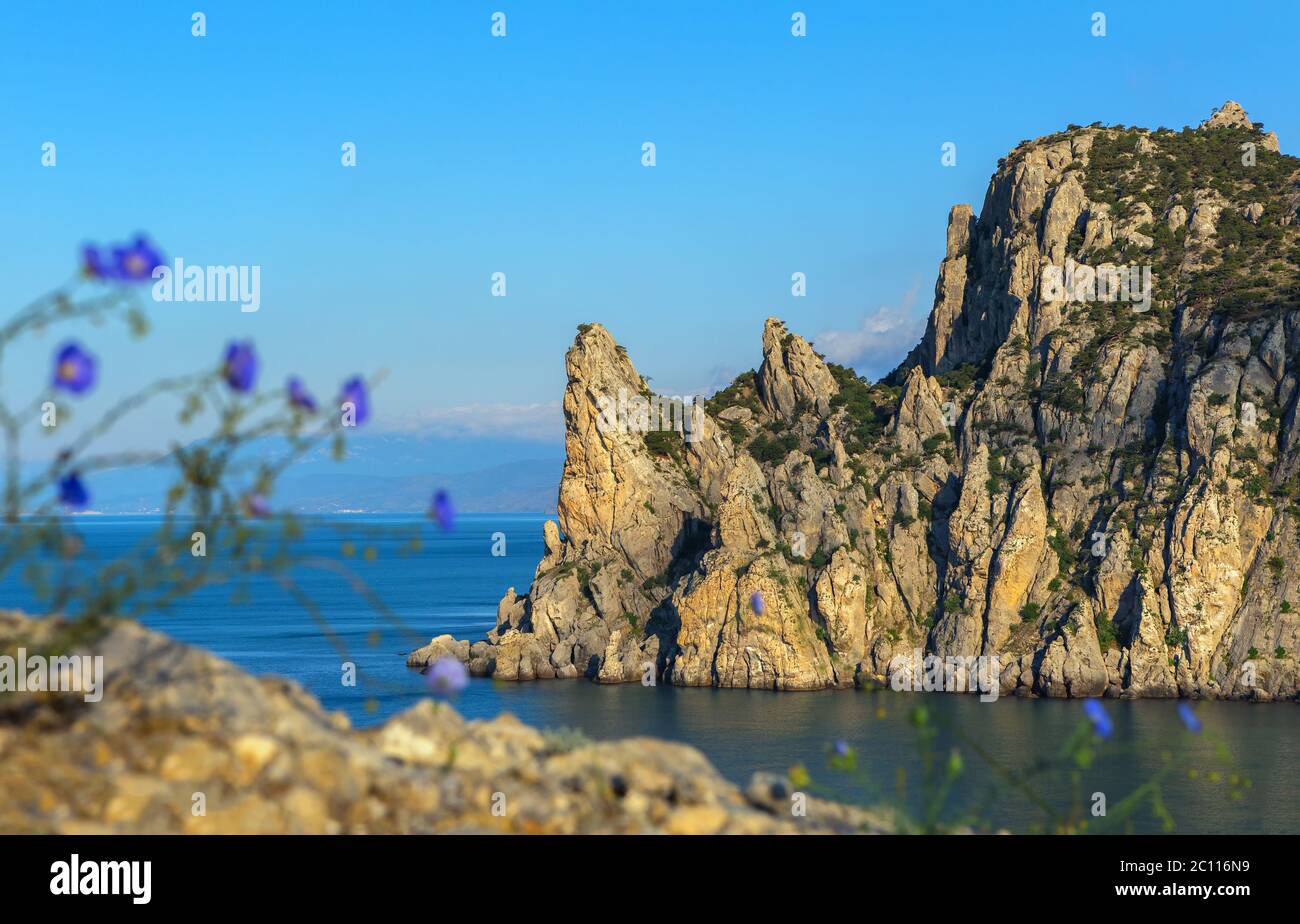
(1238,774)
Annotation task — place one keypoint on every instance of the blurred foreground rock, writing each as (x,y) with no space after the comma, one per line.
(177,725)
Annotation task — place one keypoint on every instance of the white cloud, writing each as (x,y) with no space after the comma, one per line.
(538,421)
(875,348)
(880,342)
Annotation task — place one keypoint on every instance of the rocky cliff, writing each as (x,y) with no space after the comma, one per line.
(1088,467)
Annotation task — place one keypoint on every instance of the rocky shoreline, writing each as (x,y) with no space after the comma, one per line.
(178,730)
(1100,495)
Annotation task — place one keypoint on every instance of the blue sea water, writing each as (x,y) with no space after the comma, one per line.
(453,583)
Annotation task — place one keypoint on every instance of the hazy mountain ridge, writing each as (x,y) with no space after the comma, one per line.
(381,473)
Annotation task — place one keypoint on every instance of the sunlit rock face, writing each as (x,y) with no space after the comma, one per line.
(1086,469)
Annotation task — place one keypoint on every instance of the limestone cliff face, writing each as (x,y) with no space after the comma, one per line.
(630,521)
(1088,467)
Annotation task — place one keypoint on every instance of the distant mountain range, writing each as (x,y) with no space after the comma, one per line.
(383,473)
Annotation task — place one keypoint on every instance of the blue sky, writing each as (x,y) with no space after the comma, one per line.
(522,155)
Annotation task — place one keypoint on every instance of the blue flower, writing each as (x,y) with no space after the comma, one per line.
(240,366)
(72,493)
(443,511)
(842,756)
(1101,722)
(255,505)
(446,678)
(1188,715)
(74,369)
(355,393)
(93,263)
(135,263)
(299,396)
(756,603)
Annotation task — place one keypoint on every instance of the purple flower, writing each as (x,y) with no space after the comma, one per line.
(299,397)
(255,505)
(756,603)
(1188,715)
(446,678)
(74,369)
(355,393)
(132,263)
(842,756)
(240,366)
(1101,722)
(442,510)
(135,263)
(72,493)
(93,264)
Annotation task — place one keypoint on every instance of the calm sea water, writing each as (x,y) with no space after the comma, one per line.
(454,583)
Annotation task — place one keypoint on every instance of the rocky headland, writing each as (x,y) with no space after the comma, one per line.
(1087,468)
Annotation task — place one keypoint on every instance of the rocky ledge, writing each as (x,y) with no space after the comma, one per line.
(1098,488)
(178,730)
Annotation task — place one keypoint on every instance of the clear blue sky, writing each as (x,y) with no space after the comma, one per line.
(522,155)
